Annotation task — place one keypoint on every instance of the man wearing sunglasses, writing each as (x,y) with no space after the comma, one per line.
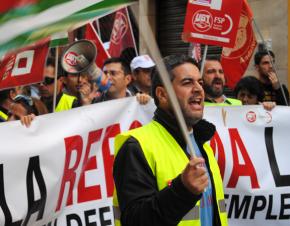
(46,90)
(141,67)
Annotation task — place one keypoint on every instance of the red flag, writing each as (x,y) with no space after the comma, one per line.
(24,66)
(121,36)
(235,60)
(12,4)
(196,51)
(92,35)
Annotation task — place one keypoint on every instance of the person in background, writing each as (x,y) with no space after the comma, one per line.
(249,91)
(119,75)
(213,84)
(141,68)
(269,79)
(46,90)
(157,181)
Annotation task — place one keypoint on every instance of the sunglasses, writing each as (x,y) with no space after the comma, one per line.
(24,99)
(48,81)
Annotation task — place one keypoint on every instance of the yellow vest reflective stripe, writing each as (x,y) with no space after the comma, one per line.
(65,103)
(167,160)
(232,102)
(3,115)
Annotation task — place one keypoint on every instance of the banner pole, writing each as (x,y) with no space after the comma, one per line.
(55,79)
(132,34)
(150,42)
(274,67)
(203,59)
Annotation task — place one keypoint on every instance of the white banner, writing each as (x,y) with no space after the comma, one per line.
(59,171)
(253,153)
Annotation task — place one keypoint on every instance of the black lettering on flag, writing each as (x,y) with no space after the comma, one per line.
(75,217)
(280,180)
(87,214)
(102,212)
(3,203)
(269,216)
(237,208)
(257,207)
(284,206)
(35,205)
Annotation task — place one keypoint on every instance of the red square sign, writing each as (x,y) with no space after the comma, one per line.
(212,22)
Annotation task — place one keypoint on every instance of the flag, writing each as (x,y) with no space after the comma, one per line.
(92,35)
(27,21)
(121,36)
(25,66)
(196,51)
(58,39)
(235,60)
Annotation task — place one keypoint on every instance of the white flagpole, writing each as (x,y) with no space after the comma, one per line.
(55,79)
(203,59)
(155,53)
(132,34)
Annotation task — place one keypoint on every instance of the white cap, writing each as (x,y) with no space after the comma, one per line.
(143,61)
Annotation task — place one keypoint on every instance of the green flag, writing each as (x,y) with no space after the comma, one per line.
(47,17)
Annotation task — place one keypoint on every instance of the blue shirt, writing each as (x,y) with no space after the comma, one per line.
(206,202)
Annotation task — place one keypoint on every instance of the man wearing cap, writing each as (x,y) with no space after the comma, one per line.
(141,67)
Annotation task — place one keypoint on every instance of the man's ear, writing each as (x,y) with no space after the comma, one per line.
(161,94)
(128,78)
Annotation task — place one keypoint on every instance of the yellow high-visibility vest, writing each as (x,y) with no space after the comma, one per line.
(65,102)
(167,160)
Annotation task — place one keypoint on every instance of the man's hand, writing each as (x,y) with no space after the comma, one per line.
(268,105)
(194,176)
(143,98)
(274,80)
(27,119)
(87,94)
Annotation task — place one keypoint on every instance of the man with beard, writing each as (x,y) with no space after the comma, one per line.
(213,84)
(157,181)
(269,79)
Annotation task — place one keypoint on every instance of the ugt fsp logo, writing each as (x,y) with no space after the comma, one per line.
(202,20)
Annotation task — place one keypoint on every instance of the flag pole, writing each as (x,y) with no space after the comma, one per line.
(150,41)
(55,80)
(132,34)
(271,61)
(203,59)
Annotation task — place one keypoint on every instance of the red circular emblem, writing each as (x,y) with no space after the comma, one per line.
(202,20)
(70,58)
(251,116)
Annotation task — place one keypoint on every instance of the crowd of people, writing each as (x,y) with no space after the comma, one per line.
(146,193)
(75,90)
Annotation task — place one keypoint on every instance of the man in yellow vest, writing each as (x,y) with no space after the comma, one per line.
(157,182)
(46,90)
(213,84)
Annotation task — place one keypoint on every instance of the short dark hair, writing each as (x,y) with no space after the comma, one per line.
(213,58)
(170,62)
(251,84)
(260,54)
(120,60)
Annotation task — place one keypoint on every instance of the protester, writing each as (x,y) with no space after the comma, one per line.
(249,91)
(213,84)
(46,90)
(16,107)
(157,181)
(269,79)
(141,67)
(119,75)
